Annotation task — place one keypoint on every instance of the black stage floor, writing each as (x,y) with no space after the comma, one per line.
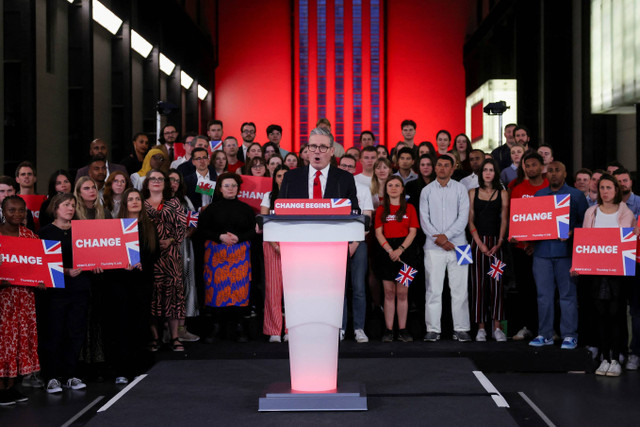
(411,383)
(409,391)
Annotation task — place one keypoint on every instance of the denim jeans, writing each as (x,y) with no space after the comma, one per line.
(358,270)
(552,273)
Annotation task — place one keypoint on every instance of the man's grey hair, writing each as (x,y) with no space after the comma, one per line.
(323,132)
(196,138)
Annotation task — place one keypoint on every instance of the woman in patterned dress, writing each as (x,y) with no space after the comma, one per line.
(18,332)
(167,300)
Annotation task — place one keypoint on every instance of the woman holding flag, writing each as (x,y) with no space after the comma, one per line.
(396,225)
(488,216)
(608,291)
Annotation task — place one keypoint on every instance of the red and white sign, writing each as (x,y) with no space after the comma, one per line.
(312,207)
(178,150)
(105,243)
(34,201)
(29,262)
(604,251)
(540,218)
(253,189)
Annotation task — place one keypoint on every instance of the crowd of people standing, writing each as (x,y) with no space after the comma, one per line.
(425,202)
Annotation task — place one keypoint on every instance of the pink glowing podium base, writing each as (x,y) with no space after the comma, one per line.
(314,262)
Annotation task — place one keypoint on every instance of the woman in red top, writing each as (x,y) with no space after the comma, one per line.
(18,332)
(396,227)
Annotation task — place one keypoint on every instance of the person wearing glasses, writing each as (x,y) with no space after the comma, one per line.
(248,131)
(168,135)
(257,166)
(320,179)
(205,173)
(227,226)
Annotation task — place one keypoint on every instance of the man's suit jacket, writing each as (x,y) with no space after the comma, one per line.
(191,181)
(340,184)
(84,171)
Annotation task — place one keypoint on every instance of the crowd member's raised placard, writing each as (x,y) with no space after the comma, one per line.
(604,251)
(253,189)
(105,243)
(33,202)
(540,218)
(312,207)
(29,262)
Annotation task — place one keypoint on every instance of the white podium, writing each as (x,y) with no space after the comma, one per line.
(314,252)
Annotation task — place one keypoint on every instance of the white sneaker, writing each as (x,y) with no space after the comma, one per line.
(53,386)
(32,380)
(603,368)
(185,336)
(594,351)
(285,338)
(275,338)
(481,336)
(499,336)
(360,336)
(522,334)
(341,335)
(75,384)
(632,363)
(614,369)
(122,381)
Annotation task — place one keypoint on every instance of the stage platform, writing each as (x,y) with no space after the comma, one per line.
(406,391)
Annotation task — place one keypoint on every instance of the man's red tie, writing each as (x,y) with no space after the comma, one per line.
(317,187)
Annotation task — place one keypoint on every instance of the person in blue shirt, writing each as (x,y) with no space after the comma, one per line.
(551,265)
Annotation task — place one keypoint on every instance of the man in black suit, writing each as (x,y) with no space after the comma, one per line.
(331,182)
(204,172)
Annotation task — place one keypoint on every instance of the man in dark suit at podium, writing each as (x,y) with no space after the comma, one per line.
(319,180)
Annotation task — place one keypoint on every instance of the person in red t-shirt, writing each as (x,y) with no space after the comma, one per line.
(396,227)
(526,302)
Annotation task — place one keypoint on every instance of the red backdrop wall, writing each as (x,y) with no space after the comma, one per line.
(425,74)
(424,70)
(253,80)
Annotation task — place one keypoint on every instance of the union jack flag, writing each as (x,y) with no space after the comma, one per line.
(406,275)
(192,218)
(497,269)
(340,203)
(56,271)
(130,238)
(215,145)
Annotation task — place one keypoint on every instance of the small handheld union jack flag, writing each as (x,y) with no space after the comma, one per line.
(192,218)
(406,275)
(497,269)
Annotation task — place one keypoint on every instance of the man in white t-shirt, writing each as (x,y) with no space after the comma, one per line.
(368,157)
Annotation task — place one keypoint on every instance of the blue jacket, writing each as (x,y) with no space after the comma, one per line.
(578,206)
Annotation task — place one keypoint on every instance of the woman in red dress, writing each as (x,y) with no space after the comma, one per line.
(18,332)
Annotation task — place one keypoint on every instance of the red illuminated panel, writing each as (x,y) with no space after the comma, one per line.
(477,115)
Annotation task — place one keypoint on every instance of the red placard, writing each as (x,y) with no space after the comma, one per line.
(34,201)
(105,243)
(253,189)
(29,262)
(540,218)
(312,207)
(604,251)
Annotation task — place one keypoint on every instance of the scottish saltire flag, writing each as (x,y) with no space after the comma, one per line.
(562,221)
(497,269)
(406,275)
(192,218)
(130,238)
(56,271)
(463,255)
(215,145)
